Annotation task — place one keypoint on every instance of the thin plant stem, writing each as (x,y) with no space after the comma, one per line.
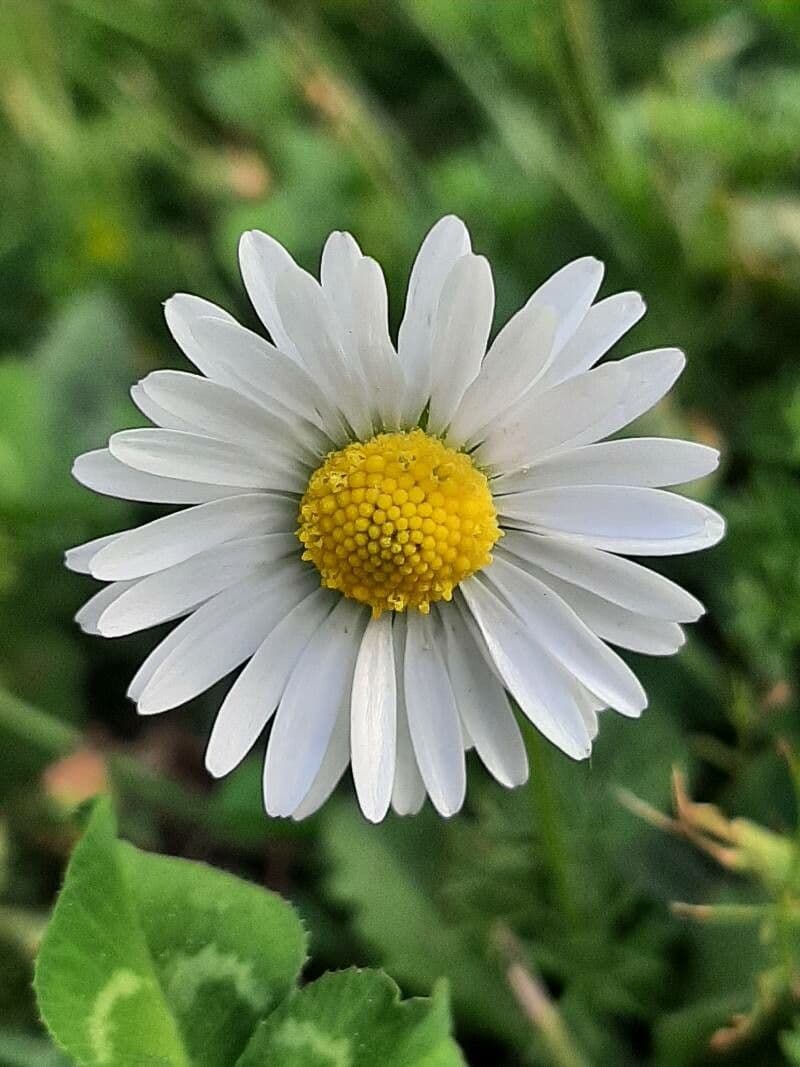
(547,820)
(532,997)
(35,728)
(585,44)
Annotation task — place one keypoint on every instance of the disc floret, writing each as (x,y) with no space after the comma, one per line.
(397,521)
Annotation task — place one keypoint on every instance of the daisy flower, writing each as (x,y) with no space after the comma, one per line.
(397,541)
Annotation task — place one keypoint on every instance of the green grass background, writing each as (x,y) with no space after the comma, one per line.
(137,140)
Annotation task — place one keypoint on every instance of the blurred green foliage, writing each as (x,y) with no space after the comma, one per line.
(137,141)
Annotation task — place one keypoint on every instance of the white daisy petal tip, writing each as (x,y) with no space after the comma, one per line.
(587,270)
(675,360)
(451,224)
(146,706)
(715,529)
(513,782)
(373,814)
(215,767)
(633,710)
(78,467)
(178,309)
(583,752)
(80,558)
(633,304)
(594,266)
(248,242)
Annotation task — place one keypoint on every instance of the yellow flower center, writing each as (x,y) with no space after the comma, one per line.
(397,521)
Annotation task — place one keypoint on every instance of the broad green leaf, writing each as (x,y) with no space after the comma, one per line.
(355,1018)
(225,951)
(95,979)
(158,961)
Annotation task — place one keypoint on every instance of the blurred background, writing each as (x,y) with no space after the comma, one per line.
(137,140)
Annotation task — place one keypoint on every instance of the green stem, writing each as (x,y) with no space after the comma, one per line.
(547,819)
(580,20)
(722,914)
(34,728)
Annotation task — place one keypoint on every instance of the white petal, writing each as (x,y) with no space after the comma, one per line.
(408,792)
(181,311)
(216,410)
(261,260)
(91,611)
(163,649)
(180,588)
(563,417)
(433,717)
(544,691)
(154,412)
(318,687)
(603,325)
(356,290)
(569,292)
(475,633)
(461,331)
(627,629)
(222,634)
(642,522)
(643,461)
(255,694)
(373,719)
(103,473)
(517,358)
(589,708)
(382,369)
(639,633)
(333,766)
(174,538)
(195,458)
(258,370)
(79,558)
(340,258)
(651,375)
(619,580)
(308,316)
(559,630)
(446,242)
(483,704)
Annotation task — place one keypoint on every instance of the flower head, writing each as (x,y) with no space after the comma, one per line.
(394,541)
